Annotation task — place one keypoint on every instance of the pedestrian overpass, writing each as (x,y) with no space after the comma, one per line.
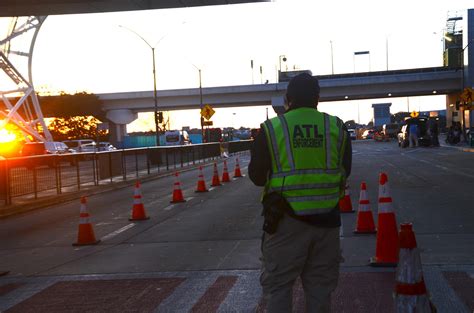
(122,108)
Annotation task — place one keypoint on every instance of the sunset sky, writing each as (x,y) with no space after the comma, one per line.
(90,52)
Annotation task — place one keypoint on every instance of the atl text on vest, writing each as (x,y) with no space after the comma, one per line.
(306,136)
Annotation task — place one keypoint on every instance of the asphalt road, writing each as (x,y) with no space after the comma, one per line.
(212,241)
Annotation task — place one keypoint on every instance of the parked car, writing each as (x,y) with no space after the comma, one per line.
(81,145)
(40,148)
(424,139)
(45,148)
(352,134)
(368,134)
(105,146)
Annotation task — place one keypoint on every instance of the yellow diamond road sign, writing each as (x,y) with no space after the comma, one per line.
(414,114)
(207,112)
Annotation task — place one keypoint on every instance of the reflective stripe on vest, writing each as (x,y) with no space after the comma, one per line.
(306,148)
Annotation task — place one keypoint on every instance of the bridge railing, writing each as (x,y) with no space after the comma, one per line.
(29,178)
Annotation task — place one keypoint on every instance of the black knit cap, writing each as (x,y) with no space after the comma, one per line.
(303,90)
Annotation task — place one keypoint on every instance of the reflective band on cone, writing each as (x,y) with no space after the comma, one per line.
(201,184)
(345,204)
(177,193)
(410,290)
(387,246)
(237,172)
(215,178)
(225,174)
(138,209)
(85,234)
(365,220)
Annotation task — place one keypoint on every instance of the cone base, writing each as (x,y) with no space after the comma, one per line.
(216,185)
(177,201)
(365,232)
(201,190)
(375,263)
(225,180)
(4,273)
(86,244)
(139,219)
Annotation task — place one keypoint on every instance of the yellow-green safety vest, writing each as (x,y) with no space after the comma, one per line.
(306,148)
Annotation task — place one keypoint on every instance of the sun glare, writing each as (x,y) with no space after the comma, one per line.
(6,136)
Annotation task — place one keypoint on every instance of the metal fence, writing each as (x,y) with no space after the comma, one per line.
(36,176)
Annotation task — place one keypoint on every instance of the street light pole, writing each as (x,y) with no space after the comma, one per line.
(200,103)
(332,58)
(155,99)
(200,99)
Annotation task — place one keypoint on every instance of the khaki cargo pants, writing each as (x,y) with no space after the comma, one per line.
(300,249)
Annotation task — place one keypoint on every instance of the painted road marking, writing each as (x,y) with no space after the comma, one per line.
(169,207)
(118,231)
(443,168)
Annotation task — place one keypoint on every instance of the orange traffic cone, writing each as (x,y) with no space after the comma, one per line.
(201,184)
(345,204)
(365,220)
(85,235)
(225,174)
(215,177)
(138,209)
(237,172)
(410,290)
(386,253)
(177,193)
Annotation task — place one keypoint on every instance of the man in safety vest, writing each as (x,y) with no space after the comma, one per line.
(303,158)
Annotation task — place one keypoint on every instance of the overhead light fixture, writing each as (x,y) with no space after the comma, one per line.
(451,105)
(346,97)
(434,91)
(389,95)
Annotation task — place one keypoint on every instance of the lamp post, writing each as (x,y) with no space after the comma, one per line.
(200,99)
(155,99)
(332,58)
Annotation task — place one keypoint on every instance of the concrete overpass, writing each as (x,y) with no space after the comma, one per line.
(122,108)
(372,85)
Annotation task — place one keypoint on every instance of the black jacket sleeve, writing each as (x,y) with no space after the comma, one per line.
(260,161)
(347,157)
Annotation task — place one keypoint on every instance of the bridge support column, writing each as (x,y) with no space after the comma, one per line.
(118,127)
(452,114)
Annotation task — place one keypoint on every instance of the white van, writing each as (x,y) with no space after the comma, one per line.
(81,145)
(176,138)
